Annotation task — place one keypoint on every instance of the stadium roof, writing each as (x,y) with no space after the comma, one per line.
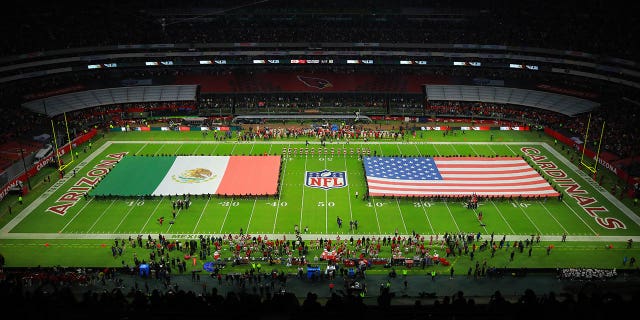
(564,104)
(56,105)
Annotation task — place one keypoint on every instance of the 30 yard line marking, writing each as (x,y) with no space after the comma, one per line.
(451,214)
(251,216)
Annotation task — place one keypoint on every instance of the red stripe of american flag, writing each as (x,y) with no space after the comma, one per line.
(500,176)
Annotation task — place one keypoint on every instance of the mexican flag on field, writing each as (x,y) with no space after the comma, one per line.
(177,175)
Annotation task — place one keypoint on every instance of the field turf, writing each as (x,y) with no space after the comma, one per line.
(59,226)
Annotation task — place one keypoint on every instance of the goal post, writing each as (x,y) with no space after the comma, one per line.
(592,167)
(61,165)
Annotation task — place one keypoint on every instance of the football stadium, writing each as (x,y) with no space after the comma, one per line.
(302,174)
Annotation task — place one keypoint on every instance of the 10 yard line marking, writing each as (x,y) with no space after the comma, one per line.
(151,215)
(251,216)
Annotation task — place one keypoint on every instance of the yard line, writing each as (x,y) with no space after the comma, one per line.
(326,202)
(474,150)
(480,221)
(380,148)
(253,144)
(554,218)
(579,217)
(161,146)
(397,145)
(502,216)
(234,147)
(151,215)
(251,216)
(454,149)
(492,151)
(141,149)
(214,149)
(180,146)
(376,211)
(511,149)
(533,223)
(226,215)
(284,174)
(433,231)
(195,151)
(125,216)
(348,192)
(77,214)
(201,214)
(435,148)
(402,217)
(102,214)
(451,214)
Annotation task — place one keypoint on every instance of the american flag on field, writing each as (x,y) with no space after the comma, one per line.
(454,176)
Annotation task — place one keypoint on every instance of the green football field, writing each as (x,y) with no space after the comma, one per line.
(59,215)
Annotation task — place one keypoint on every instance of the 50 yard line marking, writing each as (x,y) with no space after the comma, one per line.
(326,201)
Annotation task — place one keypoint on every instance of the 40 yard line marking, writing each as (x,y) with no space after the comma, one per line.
(284,174)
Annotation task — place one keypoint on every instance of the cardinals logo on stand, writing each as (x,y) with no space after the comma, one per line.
(317,83)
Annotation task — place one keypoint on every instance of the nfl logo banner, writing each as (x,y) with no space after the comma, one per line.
(326,179)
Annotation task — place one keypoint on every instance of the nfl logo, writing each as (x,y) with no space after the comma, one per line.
(326,179)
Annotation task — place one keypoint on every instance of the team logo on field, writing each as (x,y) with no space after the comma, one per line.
(317,83)
(197,175)
(326,179)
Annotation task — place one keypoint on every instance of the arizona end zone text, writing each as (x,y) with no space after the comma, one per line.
(84,184)
(573,189)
